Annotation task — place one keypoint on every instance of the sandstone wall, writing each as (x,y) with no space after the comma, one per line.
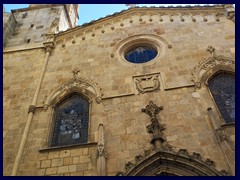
(185,108)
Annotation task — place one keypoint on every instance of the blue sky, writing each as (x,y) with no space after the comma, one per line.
(89,12)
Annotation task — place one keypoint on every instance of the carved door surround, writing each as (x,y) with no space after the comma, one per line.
(178,163)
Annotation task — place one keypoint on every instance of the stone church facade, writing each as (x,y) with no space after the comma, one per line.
(142,92)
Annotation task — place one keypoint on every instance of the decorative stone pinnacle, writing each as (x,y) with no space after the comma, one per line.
(75,71)
(152,109)
(155,128)
(211,50)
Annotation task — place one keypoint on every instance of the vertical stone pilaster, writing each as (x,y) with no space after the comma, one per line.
(101,152)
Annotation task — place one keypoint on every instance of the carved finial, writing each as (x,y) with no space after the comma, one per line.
(155,127)
(211,50)
(152,109)
(75,71)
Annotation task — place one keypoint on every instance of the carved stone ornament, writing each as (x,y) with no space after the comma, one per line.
(211,50)
(155,127)
(220,135)
(147,83)
(177,161)
(75,71)
(128,166)
(49,44)
(210,162)
(79,84)
(183,152)
(197,156)
(31,109)
(101,151)
(230,12)
(152,109)
(231,16)
(202,71)
(138,158)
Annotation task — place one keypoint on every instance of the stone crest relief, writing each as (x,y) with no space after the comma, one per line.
(146,83)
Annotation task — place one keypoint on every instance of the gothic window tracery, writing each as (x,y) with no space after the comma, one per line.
(222,87)
(71,121)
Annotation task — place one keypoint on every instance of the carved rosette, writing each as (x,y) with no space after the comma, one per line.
(147,83)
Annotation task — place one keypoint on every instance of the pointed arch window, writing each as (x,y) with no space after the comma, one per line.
(71,121)
(222,87)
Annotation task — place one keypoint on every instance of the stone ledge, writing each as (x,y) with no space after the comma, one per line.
(226,125)
(68,147)
(117,96)
(23,47)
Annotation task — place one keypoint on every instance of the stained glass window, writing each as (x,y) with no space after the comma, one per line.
(71,121)
(222,87)
(141,54)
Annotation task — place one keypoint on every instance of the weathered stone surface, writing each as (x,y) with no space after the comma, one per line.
(183,46)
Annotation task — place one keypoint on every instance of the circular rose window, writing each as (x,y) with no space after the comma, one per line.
(140,54)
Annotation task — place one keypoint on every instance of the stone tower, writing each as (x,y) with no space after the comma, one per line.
(33,23)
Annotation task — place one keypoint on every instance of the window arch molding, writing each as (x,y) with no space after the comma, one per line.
(76,84)
(208,69)
(82,87)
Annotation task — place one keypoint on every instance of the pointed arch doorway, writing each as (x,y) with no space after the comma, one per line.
(163,163)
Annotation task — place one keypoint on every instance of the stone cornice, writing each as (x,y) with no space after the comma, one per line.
(145,14)
(23,48)
(141,11)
